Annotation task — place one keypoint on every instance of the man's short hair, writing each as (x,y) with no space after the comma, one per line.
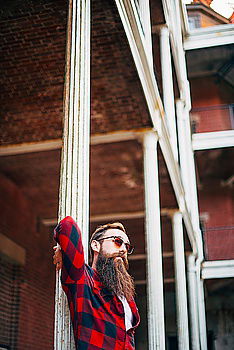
(100,230)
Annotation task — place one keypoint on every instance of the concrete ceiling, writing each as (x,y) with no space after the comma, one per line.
(116,179)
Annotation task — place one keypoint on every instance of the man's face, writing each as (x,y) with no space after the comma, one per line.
(110,248)
(112,264)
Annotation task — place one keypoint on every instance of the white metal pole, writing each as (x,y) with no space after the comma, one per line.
(180,282)
(201,307)
(193,182)
(144,7)
(74,184)
(193,302)
(156,327)
(168,90)
(183,150)
(187,168)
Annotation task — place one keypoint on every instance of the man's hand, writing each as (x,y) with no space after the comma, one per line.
(57,258)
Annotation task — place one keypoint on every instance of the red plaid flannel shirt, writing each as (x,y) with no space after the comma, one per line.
(97,314)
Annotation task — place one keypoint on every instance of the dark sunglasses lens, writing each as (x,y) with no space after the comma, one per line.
(118,242)
(129,248)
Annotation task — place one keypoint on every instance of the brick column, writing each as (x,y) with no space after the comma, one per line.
(74,180)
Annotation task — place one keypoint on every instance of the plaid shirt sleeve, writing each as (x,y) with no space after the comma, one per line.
(67,234)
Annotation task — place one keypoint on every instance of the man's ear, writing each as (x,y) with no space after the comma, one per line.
(96,246)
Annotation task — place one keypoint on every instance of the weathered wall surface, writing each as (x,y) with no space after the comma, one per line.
(36,284)
(32,70)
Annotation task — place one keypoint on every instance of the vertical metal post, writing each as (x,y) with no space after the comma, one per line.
(193,182)
(156,326)
(168,90)
(201,307)
(193,303)
(188,167)
(74,179)
(195,220)
(180,282)
(144,7)
(183,150)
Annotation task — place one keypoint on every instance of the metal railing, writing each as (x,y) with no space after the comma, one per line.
(219,242)
(212,118)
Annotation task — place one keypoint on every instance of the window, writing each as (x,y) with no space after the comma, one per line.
(194,22)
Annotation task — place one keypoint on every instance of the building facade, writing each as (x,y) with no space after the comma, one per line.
(116,110)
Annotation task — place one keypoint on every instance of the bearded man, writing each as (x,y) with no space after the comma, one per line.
(101,298)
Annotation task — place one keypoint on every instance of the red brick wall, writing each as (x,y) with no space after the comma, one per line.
(19,223)
(32,69)
(216,95)
(219,226)
(32,60)
(214,200)
(208,91)
(218,204)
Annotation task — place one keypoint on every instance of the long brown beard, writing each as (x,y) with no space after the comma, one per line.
(114,275)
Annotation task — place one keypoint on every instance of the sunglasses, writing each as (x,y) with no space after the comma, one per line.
(118,242)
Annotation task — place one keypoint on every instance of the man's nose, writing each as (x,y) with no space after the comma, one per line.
(123,248)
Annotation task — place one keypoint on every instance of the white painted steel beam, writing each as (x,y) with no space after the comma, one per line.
(102,218)
(30,147)
(117,216)
(184,17)
(217,269)
(210,36)
(135,35)
(117,136)
(50,145)
(144,9)
(201,307)
(164,254)
(114,216)
(183,149)
(168,89)
(193,303)
(156,326)
(135,38)
(172,11)
(180,282)
(74,179)
(194,210)
(187,166)
(211,140)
